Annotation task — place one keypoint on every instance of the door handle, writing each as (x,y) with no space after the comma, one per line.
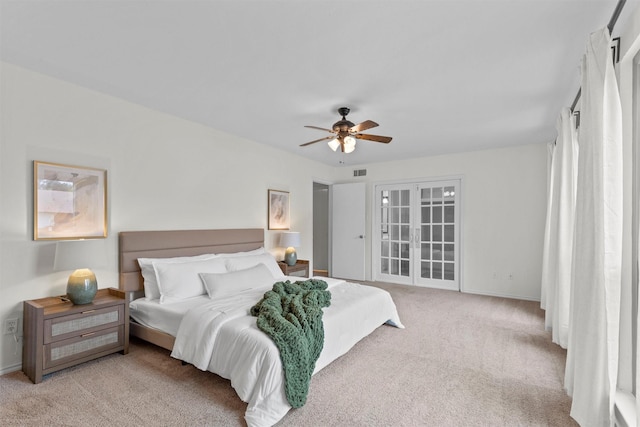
(361,236)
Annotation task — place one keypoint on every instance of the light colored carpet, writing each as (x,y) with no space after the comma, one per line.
(463,360)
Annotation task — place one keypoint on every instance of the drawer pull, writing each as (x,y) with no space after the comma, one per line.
(88,311)
(87,335)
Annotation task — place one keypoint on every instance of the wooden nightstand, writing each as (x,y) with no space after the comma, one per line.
(300,269)
(59,334)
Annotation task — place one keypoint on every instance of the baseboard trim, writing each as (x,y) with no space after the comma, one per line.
(12,368)
(499,295)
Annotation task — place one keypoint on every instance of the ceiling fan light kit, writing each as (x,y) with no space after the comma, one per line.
(334,144)
(346,133)
(349,144)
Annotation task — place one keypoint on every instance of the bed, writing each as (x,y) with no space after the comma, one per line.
(214,330)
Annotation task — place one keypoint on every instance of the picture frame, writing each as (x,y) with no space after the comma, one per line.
(279,213)
(69,202)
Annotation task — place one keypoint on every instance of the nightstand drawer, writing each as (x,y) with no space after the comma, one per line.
(300,268)
(299,273)
(61,352)
(64,327)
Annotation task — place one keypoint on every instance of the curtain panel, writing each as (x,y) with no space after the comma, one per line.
(558,246)
(548,249)
(592,354)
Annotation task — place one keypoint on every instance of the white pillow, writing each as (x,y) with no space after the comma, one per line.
(178,281)
(151,290)
(244,262)
(222,284)
(258,251)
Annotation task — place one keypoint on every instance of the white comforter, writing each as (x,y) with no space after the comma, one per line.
(222,337)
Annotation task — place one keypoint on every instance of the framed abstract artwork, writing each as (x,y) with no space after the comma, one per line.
(69,202)
(278,202)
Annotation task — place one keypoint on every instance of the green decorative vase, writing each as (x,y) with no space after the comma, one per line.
(290,256)
(82,286)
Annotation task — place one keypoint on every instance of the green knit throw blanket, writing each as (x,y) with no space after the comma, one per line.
(291,314)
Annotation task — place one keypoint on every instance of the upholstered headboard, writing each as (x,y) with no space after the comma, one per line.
(173,243)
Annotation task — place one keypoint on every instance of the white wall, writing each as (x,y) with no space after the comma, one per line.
(503,216)
(163,173)
(168,173)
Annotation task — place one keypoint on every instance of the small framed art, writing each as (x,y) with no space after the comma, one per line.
(69,202)
(278,210)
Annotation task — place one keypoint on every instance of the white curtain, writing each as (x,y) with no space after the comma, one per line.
(558,246)
(548,249)
(592,354)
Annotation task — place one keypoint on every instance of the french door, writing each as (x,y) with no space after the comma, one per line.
(418,234)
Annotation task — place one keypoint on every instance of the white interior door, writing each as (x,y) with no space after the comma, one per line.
(348,236)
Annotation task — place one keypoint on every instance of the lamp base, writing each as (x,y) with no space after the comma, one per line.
(290,256)
(82,286)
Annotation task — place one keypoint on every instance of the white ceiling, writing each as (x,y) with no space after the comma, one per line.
(438,76)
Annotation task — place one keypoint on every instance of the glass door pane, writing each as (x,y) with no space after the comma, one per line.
(437,235)
(394,210)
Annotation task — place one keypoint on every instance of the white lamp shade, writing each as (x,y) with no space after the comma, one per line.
(290,239)
(334,144)
(349,144)
(75,254)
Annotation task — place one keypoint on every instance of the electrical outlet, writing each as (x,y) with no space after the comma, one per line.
(11,326)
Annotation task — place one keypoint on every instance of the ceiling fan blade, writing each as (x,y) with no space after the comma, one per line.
(367,124)
(375,138)
(316,127)
(317,140)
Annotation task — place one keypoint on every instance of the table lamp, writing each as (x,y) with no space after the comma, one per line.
(79,255)
(289,240)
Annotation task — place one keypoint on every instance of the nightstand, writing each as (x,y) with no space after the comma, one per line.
(301,268)
(59,334)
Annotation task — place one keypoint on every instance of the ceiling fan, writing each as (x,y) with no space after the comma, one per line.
(345,133)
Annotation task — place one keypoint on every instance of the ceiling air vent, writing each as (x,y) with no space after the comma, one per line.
(359,172)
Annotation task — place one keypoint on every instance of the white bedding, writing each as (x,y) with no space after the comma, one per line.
(167,317)
(164,317)
(222,337)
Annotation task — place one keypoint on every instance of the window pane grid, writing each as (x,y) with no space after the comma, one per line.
(395,232)
(437,228)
